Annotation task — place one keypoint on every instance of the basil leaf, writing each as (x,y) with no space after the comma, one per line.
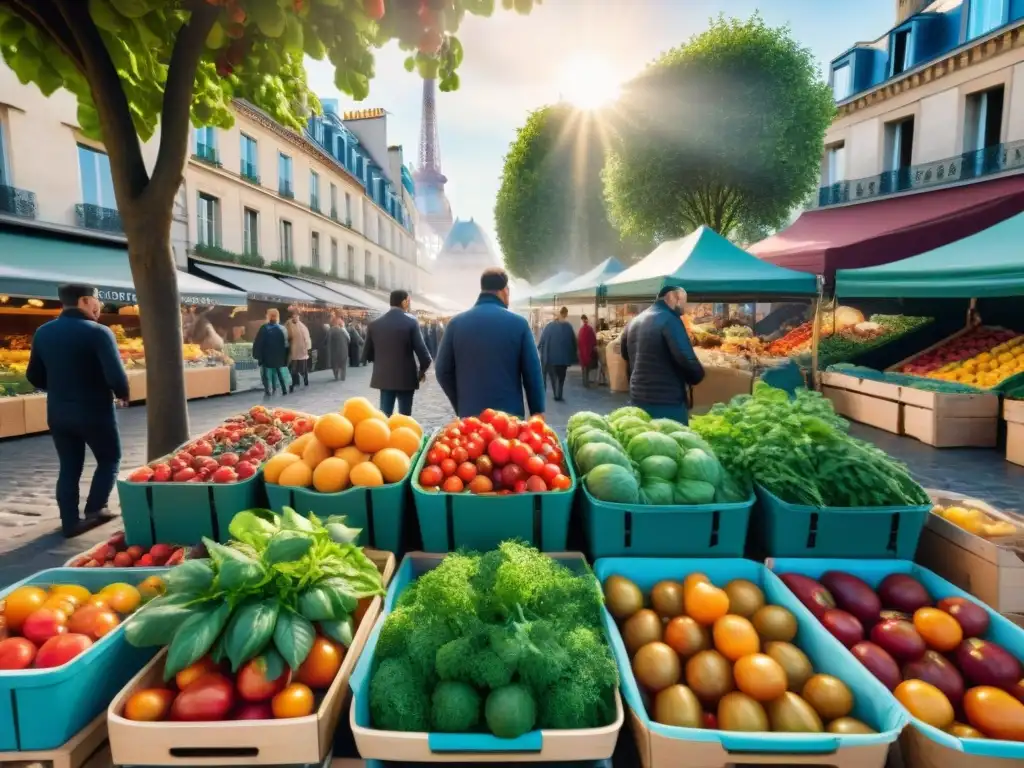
(272,664)
(341,631)
(293,638)
(287,547)
(293,521)
(342,534)
(238,575)
(252,529)
(317,603)
(156,624)
(195,637)
(250,629)
(190,576)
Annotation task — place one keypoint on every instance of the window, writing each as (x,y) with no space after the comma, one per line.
(983,119)
(984,16)
(348,209)
(314,191)
(334,256)
(334,202)
(394,280)
(350,262)
(97,184)
(208,218)
(314,250)
(286,242)
(900,53)
(842,82)
(381,271)
(250,168)
(368,268)
(284,175)
(206,143)
(835,164)
(899,144)
(250,231)
(380,230)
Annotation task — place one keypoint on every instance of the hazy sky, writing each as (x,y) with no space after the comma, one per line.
(514,64)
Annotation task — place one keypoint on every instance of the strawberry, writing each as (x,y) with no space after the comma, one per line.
(146,561)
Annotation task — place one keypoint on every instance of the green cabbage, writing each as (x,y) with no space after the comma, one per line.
(595,436)
(594,454)
(657,492)
(698,464)
(652,444)
(586,417)
(627,411)
(688,440)
(667,426)
(690,492)
(613,483)
(658,466)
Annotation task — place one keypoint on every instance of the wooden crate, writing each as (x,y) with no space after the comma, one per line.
(618,377)
(947,420)
(1013,412)
(207,382)
(990,569)
(12,416)
(720,385)
(875,403)
(87,749)
(136,386)
(35,414)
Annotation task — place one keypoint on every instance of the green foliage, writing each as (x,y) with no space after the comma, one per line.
(724,130)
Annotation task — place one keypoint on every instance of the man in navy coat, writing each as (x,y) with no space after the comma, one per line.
(394,344)
(488,357)
(75,361)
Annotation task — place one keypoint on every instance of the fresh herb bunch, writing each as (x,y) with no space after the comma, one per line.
(800,451)
(279,579)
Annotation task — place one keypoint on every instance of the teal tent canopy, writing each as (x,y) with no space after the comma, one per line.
(545,287)
(707,264)
(988,264)
(586,285)
(34,266)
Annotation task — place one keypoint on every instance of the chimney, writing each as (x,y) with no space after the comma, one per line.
(907,8)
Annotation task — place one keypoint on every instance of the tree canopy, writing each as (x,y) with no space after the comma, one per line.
(724,130)
(550,213)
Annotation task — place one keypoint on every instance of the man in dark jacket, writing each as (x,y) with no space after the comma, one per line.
(558,351)
(337,349)
(487,356)
(75,361)
(394,343)
(355,345)
(270,351)
(659,358)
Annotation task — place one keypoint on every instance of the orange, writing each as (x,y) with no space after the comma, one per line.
(322,663)
(315,452)
(333,430)
(392,463)
(331,475)
(22,602)
(366,474)
(405,440)
(296,700)
(706,603)
(298,445)
(397,420)
(352,455)
(356,409)
(296,475)
(372,435)
(123,598)
(272,469)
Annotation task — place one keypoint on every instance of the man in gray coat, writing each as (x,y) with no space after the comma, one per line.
(394,344)
(337,348)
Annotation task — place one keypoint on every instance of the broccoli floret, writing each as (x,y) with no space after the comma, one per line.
(487,670)
(510,711)
(398,626)
(424,640)
(455,708)
(544,661)
(576,704)
(398,697)
(446,590)
(452,659)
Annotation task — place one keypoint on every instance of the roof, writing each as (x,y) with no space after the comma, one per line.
(464,234)
(705,263)
(260,286)
(984,265)
(364,114)
(869,234)
(586,285)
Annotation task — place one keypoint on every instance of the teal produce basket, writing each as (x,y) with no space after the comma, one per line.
(922,744)
(451,521)
(544,746)
(793,530)
(42,709)
(670,745)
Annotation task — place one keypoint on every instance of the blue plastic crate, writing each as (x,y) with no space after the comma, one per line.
(450,521)
(1001,631)
(872,702)
(793,530)
(43,708)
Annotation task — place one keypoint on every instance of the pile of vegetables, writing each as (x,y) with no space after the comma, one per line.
(846,343)
(800,451)
(630,458)
(506,642)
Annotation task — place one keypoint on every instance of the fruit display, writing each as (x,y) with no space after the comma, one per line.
(902,379)
(933,654)
(974,520)
(356,447)
(799,450)
(500,643)
(44,627)
(847,342)
(115,553)
(630,458)
(260,628)
(495,453)
(722,657)
(982,357)
(230,453)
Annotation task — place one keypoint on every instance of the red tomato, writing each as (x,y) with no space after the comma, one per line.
(487,417)
(561,483)
(438,453)
(498,450)
(16,653)
(500,423)
(208,698)
(488,433)
(535,442)
(535,465)
(260,711)
(537,424)
(44,623)
(519,487)
(253,684)
(431,477)
(520,453)
(512,474)
(453,433)
(550,472)
(536,484)
(471,425)
(60,650)
(453,485)
(485,466)
(448,467)
(466,471)
(475,448)
(481,484)
(511,430)
(553,454)
(460,455)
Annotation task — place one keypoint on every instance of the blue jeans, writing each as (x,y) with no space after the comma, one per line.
(271,377)
(404,398)
(70,437)
(663,411)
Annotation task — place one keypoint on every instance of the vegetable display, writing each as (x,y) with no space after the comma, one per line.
(904,380)
(359,446)
(115,553)
(974,520)
(503,642)
(722,658)
(850,341)
(982,357)
(799,450)
(629,458)
(931,654)
(495,453)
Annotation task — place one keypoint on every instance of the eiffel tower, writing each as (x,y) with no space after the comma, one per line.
(434,209)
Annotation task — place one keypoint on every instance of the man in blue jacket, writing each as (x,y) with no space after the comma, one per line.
(659,358)
(488,358)
(75,361)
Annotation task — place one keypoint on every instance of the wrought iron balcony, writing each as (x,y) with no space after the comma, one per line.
(285,189)
(969,166)
(207,154)
(97,217)
(248,172)
(18,202)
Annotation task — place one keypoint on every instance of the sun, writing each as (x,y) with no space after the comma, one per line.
(588,81)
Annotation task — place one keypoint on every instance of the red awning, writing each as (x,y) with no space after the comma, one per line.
(880,232)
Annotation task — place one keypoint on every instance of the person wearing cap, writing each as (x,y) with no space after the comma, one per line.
(394,344)
(660,360)
(75,361)
(487,357)
(557,347)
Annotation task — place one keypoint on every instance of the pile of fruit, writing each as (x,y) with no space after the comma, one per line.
(358,447)
(629,458)
(232,452)
(974,520)
(264,621)
(115,553)
(982,357)
(930,654)
(495,453)
(722,658)
(46,627)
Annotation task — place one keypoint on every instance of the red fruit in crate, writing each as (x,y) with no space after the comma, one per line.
(135,552)
(519,487)
(61,649)
(160,552)
(184,457)
(550,472)
(844,626)
(260,710)
(184,475)
(561,483)
(244,470)
(16,653)
(146,561)
(103,553)
(879,663)
(228,459)
(972,618)
(520,454)
(141,475)
(512,474)
(936,669)
(466,472)
(854,596)
(453,485)
(536,484)
(985,663)
(902,592)
(123,560)
(208,698)
(224,475)
(117,540)
(44,623)
(900,639)
(448,467)
(176,558)
(809,592)
(252,682)
(499,451)
(202,448)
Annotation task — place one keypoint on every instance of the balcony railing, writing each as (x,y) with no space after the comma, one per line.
(314,205)
(248,172)
(334,214)
(285,189)
(18,202)
(207,154)
(970,166)
(97,217)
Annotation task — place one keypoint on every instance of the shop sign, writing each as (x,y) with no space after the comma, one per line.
(116,296)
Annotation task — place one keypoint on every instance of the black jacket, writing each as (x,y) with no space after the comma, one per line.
(659,357)
(270,347)
(393,344)
(338,342)
(76,362)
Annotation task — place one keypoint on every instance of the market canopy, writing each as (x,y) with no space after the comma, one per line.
(586,285)
(260,286)
(869,234)
(365,298)
(34,266)
(545,287)
(707,264)
(323,293)
(986,265)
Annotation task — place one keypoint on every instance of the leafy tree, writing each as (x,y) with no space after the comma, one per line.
(724,130)
(136,65)
(550,212)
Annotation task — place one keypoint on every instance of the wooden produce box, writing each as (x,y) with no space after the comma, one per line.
(86,749)
(618,376)
(875,403)
(292,741)
(12,416)
(1013,412)
(720,385)
(990,569)
(35,414)
(136,386)
(947,420)
(207,382)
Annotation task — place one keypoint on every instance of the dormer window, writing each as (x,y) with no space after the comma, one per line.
(842,81)
(900,52)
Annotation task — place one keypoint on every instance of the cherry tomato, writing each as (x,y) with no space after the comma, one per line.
(512,474)
(294,701)
(149,705)
(550,472)
(498,450)
(536,423)
(561,483)
(210,697)
(431,477)
(438,453)
(43,624)
(475,448)
(448,467)
(322,663)
(500,423)
(61,649)
(536,484)
(460,455)
(520,453)
(553,454)
(535,442)
(471,425)
(193,672)
(481,484)
(535,465)
(466,471)
(16,653)
(453,433)
(488,433)
(452,485)
(252,682)
(511,430)
(519,487)
(487,417)
(485,466)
